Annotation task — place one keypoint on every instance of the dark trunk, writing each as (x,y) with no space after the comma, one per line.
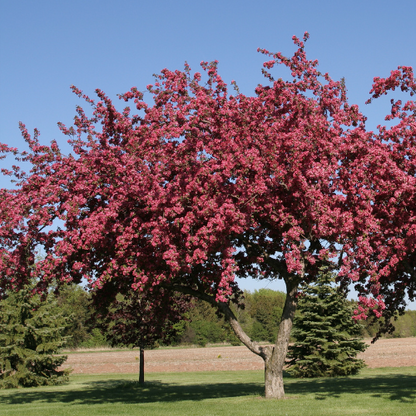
(141,373)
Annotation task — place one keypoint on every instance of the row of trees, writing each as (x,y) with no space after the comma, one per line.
(326,338)
(201,324)
(33,331)
(203,184)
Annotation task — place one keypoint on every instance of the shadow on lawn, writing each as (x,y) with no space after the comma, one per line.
(127,391)
(393,387)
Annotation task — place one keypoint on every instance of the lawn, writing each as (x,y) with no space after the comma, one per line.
(381,391)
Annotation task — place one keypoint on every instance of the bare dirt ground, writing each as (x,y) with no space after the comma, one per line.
(399,352)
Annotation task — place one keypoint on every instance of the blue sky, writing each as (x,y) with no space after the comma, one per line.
(47,45)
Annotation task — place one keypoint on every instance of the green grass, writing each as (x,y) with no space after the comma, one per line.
(390,391)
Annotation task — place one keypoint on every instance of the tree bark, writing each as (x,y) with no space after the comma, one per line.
(275,356)
(141,364)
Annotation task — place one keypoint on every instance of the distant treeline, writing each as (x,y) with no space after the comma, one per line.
(201,326)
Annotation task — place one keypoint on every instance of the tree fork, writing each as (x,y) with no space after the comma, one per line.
(274,356)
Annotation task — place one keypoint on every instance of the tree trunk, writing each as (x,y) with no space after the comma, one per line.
(141,371)
(273,377)
(275,356)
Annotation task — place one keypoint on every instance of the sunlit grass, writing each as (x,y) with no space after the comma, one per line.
(390,391)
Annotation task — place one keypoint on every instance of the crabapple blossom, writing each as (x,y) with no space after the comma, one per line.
(204,185)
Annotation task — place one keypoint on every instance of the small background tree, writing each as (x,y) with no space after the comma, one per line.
(133,320)
(327,339)
(31,332)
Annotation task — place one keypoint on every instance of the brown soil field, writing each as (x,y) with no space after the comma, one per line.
(398,352)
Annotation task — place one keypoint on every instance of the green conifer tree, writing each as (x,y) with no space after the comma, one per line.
(327,339)
(30,334)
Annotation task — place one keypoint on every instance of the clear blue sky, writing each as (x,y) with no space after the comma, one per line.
(47,45)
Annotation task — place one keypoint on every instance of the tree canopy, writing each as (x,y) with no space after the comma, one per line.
(204,185)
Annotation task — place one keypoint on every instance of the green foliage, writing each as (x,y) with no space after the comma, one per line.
(179,329)
(95,339)
(259,318)
(206,331)
(206,327)
(265,308)
(405,325)
(31,332)
(326,337)
(74,302)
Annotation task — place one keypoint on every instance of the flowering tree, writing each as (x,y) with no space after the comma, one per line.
(391,244)
(203,185)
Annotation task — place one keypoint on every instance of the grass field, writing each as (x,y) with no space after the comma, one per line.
(382,391)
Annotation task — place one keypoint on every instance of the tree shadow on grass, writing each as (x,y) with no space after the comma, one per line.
(392,386)
(127,391)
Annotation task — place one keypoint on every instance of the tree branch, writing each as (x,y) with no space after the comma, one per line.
(225,309)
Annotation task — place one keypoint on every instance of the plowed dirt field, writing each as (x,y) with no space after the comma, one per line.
(399,352)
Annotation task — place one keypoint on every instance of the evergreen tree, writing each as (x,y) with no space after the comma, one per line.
(327,339)
(30,334)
